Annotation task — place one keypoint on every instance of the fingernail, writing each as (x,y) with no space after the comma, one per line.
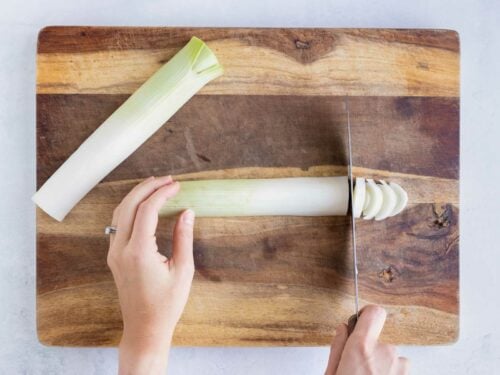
(188,217)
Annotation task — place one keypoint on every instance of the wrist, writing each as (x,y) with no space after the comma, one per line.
(146,341)
(144,354)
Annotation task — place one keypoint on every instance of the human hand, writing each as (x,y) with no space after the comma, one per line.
(152,289)
(361,353)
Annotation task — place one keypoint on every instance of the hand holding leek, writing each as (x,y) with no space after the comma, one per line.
(152,289)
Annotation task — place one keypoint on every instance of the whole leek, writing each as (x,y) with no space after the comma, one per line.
(142,114)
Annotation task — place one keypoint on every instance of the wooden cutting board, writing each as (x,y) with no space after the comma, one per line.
(277,111)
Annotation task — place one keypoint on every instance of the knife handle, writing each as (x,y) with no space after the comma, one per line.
(351,323)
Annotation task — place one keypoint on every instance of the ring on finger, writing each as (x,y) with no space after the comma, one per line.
(110,229)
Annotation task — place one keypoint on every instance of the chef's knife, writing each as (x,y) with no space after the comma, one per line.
(354,318)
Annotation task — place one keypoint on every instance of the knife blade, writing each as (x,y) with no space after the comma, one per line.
(354,318)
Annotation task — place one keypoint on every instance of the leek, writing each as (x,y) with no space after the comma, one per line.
(128,127)
(295,196)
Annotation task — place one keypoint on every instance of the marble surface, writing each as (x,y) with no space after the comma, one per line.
(477,351)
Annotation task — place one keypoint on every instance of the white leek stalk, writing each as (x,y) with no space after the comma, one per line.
(128,127)
(296,196)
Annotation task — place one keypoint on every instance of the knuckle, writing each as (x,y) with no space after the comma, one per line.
(362,347)
(145,206)
(379,311)
(111,260)
(373,312)
(390,350)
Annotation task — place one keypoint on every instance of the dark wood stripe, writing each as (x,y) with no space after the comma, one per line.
(416,135)
(66,260)
(304,45)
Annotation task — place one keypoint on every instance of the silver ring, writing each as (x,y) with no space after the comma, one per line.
(110,229)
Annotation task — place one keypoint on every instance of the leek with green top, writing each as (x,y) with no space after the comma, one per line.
(295,196)
(158,99)
(299,196)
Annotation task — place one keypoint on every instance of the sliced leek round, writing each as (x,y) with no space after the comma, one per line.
(401,197)
(359,196)
(367,199)
(376,200)
(388,203)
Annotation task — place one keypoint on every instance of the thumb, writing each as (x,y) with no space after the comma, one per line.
(182,250)
(337,349)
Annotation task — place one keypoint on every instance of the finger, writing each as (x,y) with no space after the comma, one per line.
(403,366)
(336,350)
(131,202)
(387,358)
(114,221)
(110,259)
(146,219)
(370,322)
(182,249)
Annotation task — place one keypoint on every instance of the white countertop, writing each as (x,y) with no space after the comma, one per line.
(478,350)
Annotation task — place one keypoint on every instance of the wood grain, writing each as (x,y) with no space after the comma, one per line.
(305,44)
(278,111)
(288,275)
(283,61)
(407,135)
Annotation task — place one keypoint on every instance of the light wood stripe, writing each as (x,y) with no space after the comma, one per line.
(356,66)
